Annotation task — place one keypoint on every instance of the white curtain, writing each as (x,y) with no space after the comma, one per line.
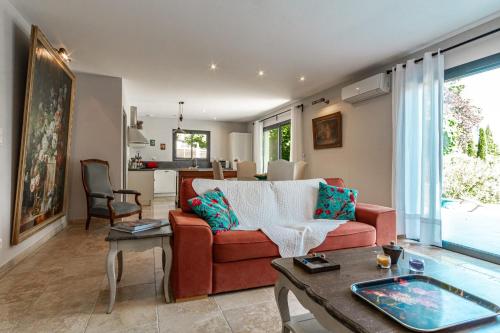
(258,132)
(417,106)
(296,152)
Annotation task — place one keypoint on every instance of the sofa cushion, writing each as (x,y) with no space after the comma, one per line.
(214,208)
(349,235)
(335,203)
(186,192)
(238,245)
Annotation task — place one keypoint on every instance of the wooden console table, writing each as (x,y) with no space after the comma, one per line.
(333,308)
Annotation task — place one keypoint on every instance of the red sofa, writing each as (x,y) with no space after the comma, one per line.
(205,264)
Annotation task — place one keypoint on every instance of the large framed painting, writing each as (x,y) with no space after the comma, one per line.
(41,196)
(327,131)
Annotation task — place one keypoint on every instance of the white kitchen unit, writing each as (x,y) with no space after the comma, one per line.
(165,182)
(240,146)
(142,181)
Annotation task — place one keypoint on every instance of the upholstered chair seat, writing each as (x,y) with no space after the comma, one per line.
(120,208)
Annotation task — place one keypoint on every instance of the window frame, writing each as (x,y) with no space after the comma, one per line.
(473,67)
(280,135)
(174,145)
(454,73)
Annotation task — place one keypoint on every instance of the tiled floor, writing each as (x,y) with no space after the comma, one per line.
(62,288)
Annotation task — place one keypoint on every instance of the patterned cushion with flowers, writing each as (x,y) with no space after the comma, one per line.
(335,203)
(214,208)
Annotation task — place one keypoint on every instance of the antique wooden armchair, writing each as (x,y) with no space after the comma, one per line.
(100,194)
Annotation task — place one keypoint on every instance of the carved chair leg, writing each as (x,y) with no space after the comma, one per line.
(140,215)
(112,221)
(87,223)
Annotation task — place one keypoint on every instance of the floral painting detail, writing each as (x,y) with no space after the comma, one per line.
(214,208)
(41,186)
(335,203)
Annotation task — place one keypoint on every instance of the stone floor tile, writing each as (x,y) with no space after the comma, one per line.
(232,300)
(256,318)
(60,323)
(134,306)
(194,316)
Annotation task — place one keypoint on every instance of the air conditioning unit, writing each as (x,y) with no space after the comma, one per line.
(371,87)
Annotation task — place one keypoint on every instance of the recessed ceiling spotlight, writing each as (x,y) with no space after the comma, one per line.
(203,110)
(215,118)
(213,66)
(260,72)
(302,78)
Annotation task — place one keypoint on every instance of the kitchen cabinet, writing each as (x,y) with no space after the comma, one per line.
(165,182)
(240,146)
(142,181)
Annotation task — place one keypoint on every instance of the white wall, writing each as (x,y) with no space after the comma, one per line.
(160,129)
(97,133)
(14,48)
(365,160)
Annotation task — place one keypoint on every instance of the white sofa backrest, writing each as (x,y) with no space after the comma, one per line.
(260,203)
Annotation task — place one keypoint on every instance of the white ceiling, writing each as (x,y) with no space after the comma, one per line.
(163,49)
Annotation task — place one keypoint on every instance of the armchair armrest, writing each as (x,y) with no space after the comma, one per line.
(101,195)
(123,191)
(382,218)
(192,255)
(134,192)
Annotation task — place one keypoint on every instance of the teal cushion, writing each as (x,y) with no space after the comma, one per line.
(214,208)
(335,203)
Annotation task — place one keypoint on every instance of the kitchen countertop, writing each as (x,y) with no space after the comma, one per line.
(176,169)
(201,169)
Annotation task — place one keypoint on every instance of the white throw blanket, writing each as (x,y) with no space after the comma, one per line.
(283,210)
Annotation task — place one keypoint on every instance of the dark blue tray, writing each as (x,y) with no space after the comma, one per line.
(424,304)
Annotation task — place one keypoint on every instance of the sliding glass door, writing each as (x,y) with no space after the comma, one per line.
(471,161)
(276,143)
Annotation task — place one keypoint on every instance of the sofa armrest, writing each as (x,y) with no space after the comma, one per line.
(192,255)
(382,218)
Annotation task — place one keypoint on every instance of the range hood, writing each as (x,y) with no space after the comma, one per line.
(135,137)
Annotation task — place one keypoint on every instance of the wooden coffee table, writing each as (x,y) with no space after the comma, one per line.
(333,308)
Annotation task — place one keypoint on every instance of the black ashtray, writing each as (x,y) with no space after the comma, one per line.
(315,263)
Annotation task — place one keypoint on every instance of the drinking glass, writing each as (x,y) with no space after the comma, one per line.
(383,260)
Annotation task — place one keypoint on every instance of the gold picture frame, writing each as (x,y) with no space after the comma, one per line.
(327,131)
(42,181)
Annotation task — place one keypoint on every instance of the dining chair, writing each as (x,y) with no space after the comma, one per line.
(280,170)
(299,170)
(246,170)
(100,194)
(217,170)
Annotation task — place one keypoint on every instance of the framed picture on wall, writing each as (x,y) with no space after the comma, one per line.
(42,178)
(327,131)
